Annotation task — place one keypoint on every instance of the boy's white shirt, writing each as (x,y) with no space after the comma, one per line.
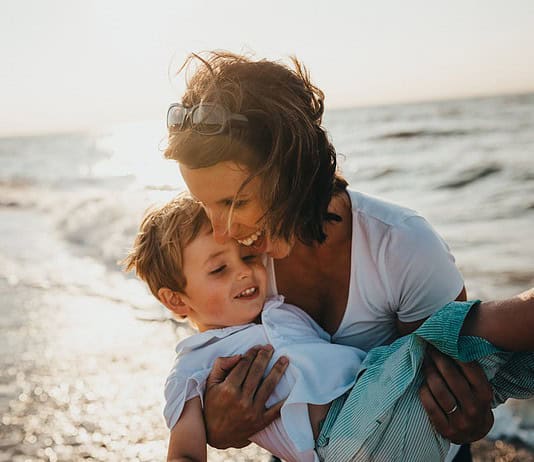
(318,372)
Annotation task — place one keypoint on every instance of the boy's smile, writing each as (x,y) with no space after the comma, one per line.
(226,283)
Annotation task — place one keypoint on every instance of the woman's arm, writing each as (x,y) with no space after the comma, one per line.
(508,324)
(405,328)
(188,436)
(235,397)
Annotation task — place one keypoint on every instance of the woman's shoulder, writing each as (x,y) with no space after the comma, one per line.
(368,207)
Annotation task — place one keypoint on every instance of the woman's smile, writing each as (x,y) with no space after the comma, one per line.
(252,239)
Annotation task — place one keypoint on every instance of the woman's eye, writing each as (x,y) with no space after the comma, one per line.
(219,269)
(250,257)
(235,204)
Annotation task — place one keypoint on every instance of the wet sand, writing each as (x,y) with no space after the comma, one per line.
(501,451)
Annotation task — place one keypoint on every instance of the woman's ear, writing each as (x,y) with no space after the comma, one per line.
(173,301)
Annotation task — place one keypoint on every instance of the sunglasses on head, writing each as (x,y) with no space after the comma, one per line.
(204,118)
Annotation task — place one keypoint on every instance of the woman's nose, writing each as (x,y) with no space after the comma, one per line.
(222,230)
(219,224)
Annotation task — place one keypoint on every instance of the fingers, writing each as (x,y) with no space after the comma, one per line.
(235,402)
(474,374)
(273,412)
(238,374)
(456,397)
(221,368)
(269,383)
(256,370)
(436,397)
(446,382)
(433,410)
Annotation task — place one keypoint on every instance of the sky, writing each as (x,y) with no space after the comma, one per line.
(69,65)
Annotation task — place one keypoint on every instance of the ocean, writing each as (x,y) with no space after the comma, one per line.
(85,348)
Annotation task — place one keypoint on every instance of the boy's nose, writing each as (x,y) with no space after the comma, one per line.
(245,271)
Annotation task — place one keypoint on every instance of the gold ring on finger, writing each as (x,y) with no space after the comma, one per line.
(453,410)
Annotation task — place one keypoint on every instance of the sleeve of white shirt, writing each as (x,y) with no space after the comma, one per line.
(178,390)
(421,272)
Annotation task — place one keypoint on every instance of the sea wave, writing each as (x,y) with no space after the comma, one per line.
(471,175)
(423,133)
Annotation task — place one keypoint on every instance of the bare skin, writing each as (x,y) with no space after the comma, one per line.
(323,274)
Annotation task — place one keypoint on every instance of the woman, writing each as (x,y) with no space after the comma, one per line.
(251,149)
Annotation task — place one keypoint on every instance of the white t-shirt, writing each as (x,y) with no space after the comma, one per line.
(318,372)
(400,267)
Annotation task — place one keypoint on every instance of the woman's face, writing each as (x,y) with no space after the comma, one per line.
(215,188)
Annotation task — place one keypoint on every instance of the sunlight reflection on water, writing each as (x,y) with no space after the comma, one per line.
(137,150)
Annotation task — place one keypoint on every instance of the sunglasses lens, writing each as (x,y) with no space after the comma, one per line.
(209,119)
(176,116)
(204,118)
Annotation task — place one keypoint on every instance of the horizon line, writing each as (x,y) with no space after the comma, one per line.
(96,129)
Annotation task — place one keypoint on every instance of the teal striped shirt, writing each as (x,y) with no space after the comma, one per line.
(382,418)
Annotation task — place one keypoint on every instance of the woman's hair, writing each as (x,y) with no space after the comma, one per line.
(283,143)
(157,254)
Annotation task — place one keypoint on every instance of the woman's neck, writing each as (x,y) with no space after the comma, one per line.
(316,277)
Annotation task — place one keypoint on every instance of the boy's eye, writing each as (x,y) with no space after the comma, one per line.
(218,269)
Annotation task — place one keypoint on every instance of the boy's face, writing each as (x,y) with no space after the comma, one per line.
(226,283)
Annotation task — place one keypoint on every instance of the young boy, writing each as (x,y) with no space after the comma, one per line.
(339,403)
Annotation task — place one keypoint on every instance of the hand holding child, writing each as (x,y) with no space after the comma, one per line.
(235,397)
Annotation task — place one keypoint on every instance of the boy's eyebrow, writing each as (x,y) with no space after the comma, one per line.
(214,255)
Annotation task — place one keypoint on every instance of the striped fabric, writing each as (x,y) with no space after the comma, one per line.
(383,419)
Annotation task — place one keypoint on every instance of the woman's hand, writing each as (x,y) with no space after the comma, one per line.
(457,398)
(235,397)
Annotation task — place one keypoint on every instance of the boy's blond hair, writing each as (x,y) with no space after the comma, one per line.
(157,252)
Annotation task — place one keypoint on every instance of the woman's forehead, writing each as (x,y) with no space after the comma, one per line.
(215,183)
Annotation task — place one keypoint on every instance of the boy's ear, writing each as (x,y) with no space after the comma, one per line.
(173,301)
